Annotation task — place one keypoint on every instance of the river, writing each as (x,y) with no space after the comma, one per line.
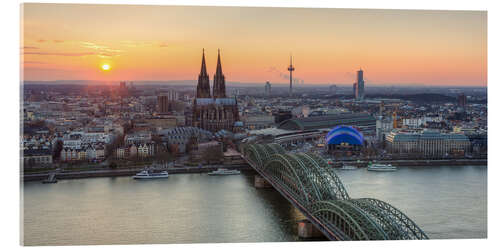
(446,202)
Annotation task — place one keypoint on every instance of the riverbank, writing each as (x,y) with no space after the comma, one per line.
(126,172)
(208,168)
(416,163)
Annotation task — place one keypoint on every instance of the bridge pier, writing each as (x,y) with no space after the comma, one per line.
(307,230)
(260,182)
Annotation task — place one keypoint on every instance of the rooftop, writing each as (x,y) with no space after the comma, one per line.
(326,121)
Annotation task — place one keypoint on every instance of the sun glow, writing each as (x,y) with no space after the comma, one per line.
(105,67)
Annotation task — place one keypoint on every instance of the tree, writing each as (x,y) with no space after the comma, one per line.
(163,156)
(213,154)
(174,149)
(191,144)
(113,165)
(57,149)
(117,142)
(127,127)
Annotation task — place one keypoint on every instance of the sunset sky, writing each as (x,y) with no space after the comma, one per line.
(164,43)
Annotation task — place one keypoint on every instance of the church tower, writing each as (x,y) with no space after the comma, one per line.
(219,88)
(203,88)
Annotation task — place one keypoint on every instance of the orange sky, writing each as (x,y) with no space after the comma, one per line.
(162,43)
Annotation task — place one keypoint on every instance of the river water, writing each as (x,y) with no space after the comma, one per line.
(446,202)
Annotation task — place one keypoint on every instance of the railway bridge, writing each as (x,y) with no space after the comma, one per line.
(311,185)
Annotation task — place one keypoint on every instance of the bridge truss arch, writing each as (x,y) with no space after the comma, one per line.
(313,184)
(367,219)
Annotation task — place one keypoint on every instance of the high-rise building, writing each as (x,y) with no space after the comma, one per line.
(123,89)
(173,95)
(333,89)
(462,100)
(291,69)
(359,86)
(213,112)
(268,88)
(381,108)
(163,104)
(355,90)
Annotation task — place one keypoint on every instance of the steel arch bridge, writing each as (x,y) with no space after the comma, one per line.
(306,180)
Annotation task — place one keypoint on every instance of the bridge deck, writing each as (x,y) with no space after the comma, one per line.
(318,224)
(312,186)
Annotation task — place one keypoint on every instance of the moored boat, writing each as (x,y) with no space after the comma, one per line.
(148,174)
(224,171)
(381,167)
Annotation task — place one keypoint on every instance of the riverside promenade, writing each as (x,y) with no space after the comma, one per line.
(207,168)
(127,172)
(415,162)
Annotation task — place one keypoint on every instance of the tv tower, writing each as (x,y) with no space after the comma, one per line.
(290,68)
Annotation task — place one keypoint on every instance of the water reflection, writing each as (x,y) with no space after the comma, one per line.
(447,202)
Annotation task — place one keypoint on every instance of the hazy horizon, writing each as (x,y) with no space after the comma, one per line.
(243,84)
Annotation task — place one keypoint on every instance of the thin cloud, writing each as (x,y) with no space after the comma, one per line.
(135,44)
(58,41)
(41,40)
(104,55)
(34,62)
(60,53)
(104,51)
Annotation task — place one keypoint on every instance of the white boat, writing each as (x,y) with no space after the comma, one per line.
(224,171)
(381,167)
(348,167)
(147,174)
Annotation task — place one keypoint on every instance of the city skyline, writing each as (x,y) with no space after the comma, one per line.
(186,124)
(61,42)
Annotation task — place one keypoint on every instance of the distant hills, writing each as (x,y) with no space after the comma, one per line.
(419,98)
(236,84)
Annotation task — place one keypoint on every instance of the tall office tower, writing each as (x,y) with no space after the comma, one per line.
(360,86)
(381,108)
(123,91)
(219,80)
(203,87)
(268,88)
(355,90)
(462,100)
(173,95)
(291,69)
(333,89)
(162,104)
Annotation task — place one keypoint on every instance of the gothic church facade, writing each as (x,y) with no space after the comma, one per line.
(213,110)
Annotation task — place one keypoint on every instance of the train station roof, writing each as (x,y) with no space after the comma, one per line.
(326,121)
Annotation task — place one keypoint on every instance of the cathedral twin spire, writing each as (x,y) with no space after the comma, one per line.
(219,87)
(203,88)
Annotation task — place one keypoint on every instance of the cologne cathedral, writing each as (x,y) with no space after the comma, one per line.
(213,110)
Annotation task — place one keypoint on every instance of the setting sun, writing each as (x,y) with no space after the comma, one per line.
(105,67)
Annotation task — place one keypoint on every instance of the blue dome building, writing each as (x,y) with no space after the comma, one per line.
(344,139)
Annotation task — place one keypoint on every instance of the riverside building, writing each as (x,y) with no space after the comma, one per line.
(427,143)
